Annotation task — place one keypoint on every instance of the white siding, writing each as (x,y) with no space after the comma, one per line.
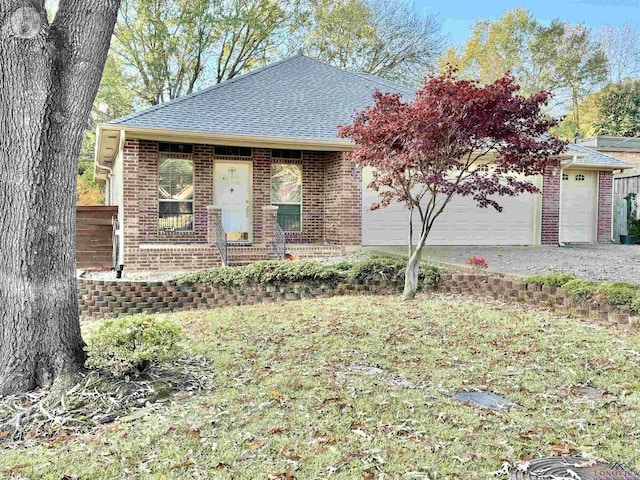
(461,223)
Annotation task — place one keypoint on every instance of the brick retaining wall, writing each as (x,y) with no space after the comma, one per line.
(511,289)
(108,299)
(100,299)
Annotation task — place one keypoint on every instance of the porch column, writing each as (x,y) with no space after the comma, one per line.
(213,213)
(269,217)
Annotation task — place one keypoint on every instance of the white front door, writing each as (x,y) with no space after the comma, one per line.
(578,215)
(232,192)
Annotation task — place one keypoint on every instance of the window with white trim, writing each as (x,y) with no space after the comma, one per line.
(286,193)
(175,194)
(579,178)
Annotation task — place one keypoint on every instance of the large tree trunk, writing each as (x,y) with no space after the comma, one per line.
(50,75)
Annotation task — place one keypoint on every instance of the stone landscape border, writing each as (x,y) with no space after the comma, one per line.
(108,299)
(514,289)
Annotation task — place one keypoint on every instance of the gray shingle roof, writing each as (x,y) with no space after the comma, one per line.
(295,98)
(595,158)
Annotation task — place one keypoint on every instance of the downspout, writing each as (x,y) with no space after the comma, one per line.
(573,160)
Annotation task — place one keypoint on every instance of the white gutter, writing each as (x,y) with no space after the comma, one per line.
(107,190)
(573,160)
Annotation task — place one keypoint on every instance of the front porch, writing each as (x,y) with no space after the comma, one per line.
(175,203)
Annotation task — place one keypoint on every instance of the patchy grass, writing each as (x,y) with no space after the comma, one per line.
(360,387)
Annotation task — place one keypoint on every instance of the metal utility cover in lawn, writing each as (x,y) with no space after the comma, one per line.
(485,399)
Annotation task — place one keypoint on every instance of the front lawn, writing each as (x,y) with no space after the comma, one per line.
(361,387)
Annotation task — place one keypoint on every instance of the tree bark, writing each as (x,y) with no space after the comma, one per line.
(49,78)
(412,273)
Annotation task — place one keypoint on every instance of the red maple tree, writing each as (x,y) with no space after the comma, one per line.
(455,137)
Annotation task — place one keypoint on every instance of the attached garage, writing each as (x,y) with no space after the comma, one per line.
(578,217)
(462,223)
(574,206)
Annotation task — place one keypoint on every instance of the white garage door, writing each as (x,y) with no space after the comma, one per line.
(578,216)
(462,222)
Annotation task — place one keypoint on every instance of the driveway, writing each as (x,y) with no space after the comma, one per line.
(612,262)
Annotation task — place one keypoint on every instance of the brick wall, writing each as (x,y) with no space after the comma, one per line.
(330,193)
(343,200)
(109,299)
(140,221)
(605,207)
(551,204)
(103,299)
(261,189)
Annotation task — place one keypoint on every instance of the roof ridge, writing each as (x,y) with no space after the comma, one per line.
(386,82)
(215,86)
(383,81)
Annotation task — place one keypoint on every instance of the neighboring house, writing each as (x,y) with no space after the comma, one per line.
(259,153)
(622,148)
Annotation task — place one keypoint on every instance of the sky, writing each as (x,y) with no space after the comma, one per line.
(458,16)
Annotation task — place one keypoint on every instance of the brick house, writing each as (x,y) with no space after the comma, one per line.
(228,171)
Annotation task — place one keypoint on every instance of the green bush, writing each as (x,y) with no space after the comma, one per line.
(634,228)
(376,268)
(390,270)
(431,275)
(619,293)
(581,290)
(131,345)
(551,279)
(269,271)
(634,306)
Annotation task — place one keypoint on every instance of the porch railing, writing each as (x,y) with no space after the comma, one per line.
(279,242)
(221,241)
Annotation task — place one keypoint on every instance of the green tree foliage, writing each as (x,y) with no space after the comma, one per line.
(620,110)
(496,47)
(171,46)
(163,43)
(589,115)
(388,39)
(572,64)
(114,99)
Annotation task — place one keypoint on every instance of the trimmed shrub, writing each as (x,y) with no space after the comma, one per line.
(385,269)
(391,271)
(581,290)
(619,293)
(431,275)
(269,271)
(132,345)
(634,307)
(551,280)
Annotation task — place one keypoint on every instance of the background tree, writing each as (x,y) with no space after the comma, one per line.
(114,99)
(162,45)
(573,65)
(589,114)
(51,72)
(388,39)
(169,48)
(453,138)
(496,47)
(621,47)
(619,112)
